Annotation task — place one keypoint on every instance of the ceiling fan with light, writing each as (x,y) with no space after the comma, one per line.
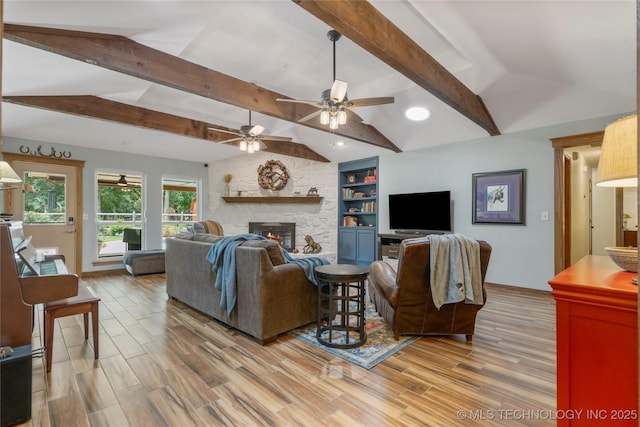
(250,137)
(334,104)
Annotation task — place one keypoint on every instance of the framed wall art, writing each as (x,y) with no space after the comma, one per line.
(499,197)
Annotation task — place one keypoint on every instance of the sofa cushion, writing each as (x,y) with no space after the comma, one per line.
(184,236)
(272,247)
(207,238)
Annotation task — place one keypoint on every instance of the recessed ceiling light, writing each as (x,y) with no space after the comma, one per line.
(339,143)
(417,113)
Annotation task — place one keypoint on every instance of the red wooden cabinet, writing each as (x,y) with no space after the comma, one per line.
(597,344)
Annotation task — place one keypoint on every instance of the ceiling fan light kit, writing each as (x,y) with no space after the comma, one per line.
(324,117)
(335,103)
(253,146)
(249,137)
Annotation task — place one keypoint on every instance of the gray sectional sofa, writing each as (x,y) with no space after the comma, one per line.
(273,296)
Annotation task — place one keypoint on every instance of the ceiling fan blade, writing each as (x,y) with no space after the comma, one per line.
(224,131)
(364,102)
(310,116)
(230,140)
(338,90)
(300,101)
(256,130)
(275,138)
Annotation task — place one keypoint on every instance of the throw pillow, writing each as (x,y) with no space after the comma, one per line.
(272,247)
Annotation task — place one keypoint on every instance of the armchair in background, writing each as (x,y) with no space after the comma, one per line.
(404,298)
(132,237)
(208,227)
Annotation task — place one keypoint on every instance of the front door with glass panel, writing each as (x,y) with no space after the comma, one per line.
(46,206)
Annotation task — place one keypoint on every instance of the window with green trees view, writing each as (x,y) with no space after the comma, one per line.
(179,205)
(44,201)
(119,207)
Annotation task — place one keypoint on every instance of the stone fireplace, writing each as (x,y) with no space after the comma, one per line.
(282,232)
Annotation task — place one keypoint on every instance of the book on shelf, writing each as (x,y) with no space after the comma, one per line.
(368,207)
(350,221)
(348,193)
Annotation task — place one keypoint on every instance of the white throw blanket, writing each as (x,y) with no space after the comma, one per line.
(455,269)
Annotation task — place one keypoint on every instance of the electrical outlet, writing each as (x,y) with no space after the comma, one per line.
(544,215)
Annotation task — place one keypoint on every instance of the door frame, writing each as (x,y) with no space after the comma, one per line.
(79,166)
(561,230)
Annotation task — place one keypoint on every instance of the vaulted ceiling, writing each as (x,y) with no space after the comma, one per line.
(152,77)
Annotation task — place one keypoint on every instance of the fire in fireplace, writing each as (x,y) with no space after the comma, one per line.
(282,232)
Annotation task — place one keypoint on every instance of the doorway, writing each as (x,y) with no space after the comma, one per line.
(574,217)
(50,208)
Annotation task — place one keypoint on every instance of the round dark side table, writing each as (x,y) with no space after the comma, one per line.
(341,292)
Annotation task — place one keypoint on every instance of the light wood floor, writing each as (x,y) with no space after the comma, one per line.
(162,364)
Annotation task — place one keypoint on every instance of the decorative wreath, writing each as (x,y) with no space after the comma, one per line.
(273,175)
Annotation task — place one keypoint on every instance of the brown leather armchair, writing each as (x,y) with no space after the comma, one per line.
(404,298)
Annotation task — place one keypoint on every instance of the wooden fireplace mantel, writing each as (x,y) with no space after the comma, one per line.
(273,199)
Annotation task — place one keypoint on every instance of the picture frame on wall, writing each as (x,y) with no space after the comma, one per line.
(499,197)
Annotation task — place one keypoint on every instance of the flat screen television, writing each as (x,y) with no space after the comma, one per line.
(420,213)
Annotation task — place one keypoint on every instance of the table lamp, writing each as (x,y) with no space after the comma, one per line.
(618,167)
(8,177)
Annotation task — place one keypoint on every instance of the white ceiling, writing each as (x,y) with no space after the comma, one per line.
(534,63)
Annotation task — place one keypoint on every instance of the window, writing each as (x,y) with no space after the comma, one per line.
(179,205)
(119,208)
(44,198)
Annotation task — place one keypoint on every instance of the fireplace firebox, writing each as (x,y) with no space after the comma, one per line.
(282,232)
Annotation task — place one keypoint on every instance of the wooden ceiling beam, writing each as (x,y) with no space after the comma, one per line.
(104,109)
(363,24)
(126,56)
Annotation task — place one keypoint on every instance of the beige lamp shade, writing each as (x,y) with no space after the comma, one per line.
(7,174)
(618,166)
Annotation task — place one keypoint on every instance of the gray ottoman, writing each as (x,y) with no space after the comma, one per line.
(144,262)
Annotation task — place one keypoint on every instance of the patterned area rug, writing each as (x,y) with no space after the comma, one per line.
(380,343)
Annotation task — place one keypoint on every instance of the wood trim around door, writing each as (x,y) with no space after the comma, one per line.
(559,226)
(79,166)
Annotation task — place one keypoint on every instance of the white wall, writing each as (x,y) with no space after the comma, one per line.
(580,204)
(603,213)
(151,168)
(630,207)
(318,220)
(522,254)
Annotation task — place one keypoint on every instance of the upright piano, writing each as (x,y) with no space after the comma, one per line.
(18,294)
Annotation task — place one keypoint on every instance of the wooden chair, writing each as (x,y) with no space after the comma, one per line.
(84,303)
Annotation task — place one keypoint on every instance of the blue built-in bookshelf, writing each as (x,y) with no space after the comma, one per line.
(358,211)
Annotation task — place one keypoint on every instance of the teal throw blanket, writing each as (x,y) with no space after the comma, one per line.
(222,257)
